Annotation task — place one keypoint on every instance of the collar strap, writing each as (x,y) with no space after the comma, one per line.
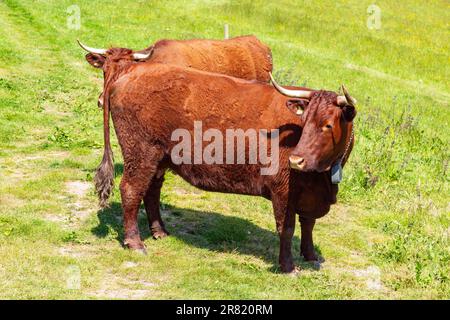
(347,147)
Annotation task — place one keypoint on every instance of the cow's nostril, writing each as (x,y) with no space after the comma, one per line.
(296,160)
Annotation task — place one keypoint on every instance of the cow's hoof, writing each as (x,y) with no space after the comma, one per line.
(159,234)
(316,265)
(311,257)
(289,269)
(294,273)
(141,251)
(135,245)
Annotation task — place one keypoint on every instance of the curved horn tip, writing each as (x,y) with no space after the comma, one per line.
(290,93)
(91,50)
(347,95)
(344,89)
(141,56)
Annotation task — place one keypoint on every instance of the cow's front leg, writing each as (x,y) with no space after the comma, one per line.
(307,245)
(285,221)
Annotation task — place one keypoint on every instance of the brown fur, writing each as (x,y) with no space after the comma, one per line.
(149,101)
(242,57)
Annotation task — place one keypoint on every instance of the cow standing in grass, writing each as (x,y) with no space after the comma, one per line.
(148,102)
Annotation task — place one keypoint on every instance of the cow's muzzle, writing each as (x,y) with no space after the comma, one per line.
(297,162)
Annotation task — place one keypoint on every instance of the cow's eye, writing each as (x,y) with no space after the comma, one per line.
(329,126)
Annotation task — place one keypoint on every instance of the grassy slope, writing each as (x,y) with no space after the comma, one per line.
(388,237)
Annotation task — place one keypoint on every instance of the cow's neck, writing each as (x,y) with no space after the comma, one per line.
(313,193)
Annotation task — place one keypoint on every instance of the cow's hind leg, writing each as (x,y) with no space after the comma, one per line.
(135,182)
(152,206)
(307,244)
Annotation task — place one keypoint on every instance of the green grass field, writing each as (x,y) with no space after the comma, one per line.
(387,238)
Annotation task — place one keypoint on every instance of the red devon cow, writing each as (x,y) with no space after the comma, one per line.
(243,57)
(157,109)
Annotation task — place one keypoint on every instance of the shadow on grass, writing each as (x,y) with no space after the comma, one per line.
(118,169)
(207,230)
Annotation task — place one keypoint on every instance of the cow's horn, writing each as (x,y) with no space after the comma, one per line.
(290,93)
(92,50)
(346,98)
(141,56)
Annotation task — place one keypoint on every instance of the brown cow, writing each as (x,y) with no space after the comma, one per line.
(149,102)
(243,57)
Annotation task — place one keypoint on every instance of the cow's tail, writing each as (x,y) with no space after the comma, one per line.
(104,176)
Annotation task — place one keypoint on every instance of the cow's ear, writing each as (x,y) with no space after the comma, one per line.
(95,60)
(349,112)
(297,106)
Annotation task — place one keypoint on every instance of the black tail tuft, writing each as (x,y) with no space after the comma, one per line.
(104,178)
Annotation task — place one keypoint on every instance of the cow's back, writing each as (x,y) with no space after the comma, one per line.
(242,57)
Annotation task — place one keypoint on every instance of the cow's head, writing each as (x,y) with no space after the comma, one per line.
(113,61)
(327,122)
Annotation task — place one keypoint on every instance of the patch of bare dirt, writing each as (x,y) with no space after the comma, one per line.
(80,207)
(22,167)
(56,218)
(115,287)
(78,188)
(52,109)
(371,276)
(10,201)
(47,155)
(129,264)
(75,251)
